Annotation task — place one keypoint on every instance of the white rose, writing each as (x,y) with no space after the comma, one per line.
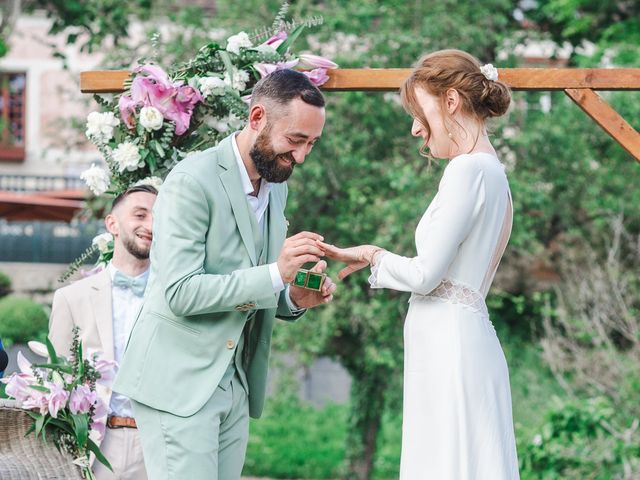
(151,118)
(96,179)
(100,126)
(127,157)
(102,241)
(235,42)
(490,72)
(212,86)
(155,182)
(238,81)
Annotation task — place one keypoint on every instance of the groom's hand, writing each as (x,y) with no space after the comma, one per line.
(305,298)
(297,250)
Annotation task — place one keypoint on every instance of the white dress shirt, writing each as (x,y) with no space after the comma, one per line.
(259,206)
(125,307)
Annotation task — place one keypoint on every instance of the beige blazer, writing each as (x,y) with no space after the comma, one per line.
(86,304)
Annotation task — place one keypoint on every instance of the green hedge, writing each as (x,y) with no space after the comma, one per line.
(5,284)
(21,320)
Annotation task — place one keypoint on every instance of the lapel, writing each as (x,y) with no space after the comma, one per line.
(230,178)
(277,224)
(101,301)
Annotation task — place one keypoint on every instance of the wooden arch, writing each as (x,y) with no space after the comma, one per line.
(579,84)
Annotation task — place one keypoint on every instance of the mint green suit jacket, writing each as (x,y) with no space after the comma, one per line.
(205,281)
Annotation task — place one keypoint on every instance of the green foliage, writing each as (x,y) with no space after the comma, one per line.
(577,442)
(93,22)
(297,440)
(21,320)
(5,285)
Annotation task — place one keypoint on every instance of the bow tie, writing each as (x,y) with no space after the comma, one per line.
(136,285)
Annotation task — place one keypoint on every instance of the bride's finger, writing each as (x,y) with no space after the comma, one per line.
(345,272)
(330,251)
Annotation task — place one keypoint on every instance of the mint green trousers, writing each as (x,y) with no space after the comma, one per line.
(209,445)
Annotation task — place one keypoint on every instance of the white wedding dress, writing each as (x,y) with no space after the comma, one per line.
(457,420)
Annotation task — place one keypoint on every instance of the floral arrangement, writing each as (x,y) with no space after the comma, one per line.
(162,117)
(62,400)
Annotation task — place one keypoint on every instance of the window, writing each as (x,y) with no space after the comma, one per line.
(12,116)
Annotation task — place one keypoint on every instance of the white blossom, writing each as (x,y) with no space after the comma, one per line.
(155,182)
(102,241)
(238,81)
(100,126)
(235,42)
(489,71)
(96,179)
(151,118)
(226,123)
(127,157)
(212,86)
(537,440)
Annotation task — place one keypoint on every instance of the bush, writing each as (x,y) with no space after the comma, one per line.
(5,284)
(581,440)
(21,320)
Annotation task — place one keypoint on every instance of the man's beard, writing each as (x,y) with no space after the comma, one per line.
(265,159)
(129,244)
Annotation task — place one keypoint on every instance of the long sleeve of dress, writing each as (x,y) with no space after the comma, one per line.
(449,220)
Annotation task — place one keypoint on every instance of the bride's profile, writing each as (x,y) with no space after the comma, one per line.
(457,417)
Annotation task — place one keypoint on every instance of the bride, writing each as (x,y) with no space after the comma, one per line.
(457,421)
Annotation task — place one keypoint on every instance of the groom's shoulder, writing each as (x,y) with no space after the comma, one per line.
(198,163)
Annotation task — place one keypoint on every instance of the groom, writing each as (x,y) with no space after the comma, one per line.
(196,362)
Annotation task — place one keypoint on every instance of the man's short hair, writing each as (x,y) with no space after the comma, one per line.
(136,189)
(282,86)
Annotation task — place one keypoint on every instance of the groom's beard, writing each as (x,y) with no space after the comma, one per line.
(266,159)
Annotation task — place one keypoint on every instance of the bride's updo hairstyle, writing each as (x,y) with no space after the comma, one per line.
(437,72)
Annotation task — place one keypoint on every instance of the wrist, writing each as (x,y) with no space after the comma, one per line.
(373,255)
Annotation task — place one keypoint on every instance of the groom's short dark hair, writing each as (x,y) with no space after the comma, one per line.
(282,86)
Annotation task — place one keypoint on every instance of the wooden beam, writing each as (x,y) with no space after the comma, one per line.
(607,118)
(390,79)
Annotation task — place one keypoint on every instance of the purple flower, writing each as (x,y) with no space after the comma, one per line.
(318,76)
(81,400)
(18,386)
(56,398)
(309,62)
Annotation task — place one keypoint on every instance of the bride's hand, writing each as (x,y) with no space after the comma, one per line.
(356,258)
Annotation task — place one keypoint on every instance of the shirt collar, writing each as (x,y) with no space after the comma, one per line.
(112,271)
(244,175)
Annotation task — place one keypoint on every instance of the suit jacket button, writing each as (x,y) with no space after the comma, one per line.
(230,344)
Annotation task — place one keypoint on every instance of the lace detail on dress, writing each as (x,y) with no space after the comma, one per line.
(455,292)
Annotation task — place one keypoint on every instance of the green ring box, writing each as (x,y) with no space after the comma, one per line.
(310,280)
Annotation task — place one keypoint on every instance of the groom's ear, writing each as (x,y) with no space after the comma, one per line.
(257,117)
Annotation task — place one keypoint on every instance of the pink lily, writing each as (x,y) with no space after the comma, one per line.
(276,40)
(309,62)
(318,76)
(81,399)
(127,107)
(265,69)
(36,401)
(56,398)
(18,386)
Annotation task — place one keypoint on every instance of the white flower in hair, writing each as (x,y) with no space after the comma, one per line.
(490,72)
